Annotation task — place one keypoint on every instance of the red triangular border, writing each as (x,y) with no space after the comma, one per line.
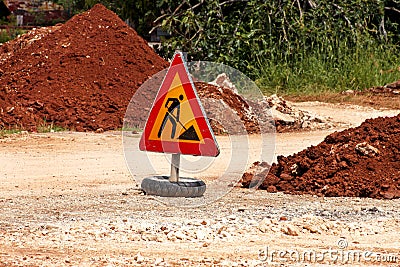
(209,147)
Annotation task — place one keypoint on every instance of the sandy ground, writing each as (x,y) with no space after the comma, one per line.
(68,199)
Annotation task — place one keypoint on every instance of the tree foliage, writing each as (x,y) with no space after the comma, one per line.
(242,32)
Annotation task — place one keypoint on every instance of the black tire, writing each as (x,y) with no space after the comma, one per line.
(161,186)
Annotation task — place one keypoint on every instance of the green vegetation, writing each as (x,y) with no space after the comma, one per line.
(43,127)
(9,34)
(294,46)
(46,127)
(344,69)
(5,132)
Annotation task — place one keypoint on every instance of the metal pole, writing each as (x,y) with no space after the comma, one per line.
(175,161)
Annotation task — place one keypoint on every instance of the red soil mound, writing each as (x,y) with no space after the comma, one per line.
(357,162)
(80,75)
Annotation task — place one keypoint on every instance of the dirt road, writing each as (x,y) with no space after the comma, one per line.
(69,199)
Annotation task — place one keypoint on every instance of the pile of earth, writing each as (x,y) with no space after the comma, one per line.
(388,90)
(392,89)
(79,75)
(290,118)
(357,162)
(9,48)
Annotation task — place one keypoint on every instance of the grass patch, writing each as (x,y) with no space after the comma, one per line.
(10,34)
(42,127)
(5,132)
(45,127)
(330,70)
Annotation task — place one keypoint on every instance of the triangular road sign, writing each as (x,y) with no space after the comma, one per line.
(177,122)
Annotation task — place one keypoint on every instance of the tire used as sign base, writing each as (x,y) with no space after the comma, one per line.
(161,186)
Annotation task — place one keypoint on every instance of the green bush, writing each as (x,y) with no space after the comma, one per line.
(365,65)
(292,45)
(9,34)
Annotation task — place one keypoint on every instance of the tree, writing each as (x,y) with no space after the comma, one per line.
(243,32)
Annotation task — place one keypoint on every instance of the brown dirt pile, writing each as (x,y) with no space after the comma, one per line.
(357,162)
(9,48)
(391,89)
(388,90)
(79,75)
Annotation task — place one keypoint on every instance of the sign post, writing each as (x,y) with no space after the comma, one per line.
(175,161)
(177,124)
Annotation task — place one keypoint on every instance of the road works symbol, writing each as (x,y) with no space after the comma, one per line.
(177,122)
(188,134)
